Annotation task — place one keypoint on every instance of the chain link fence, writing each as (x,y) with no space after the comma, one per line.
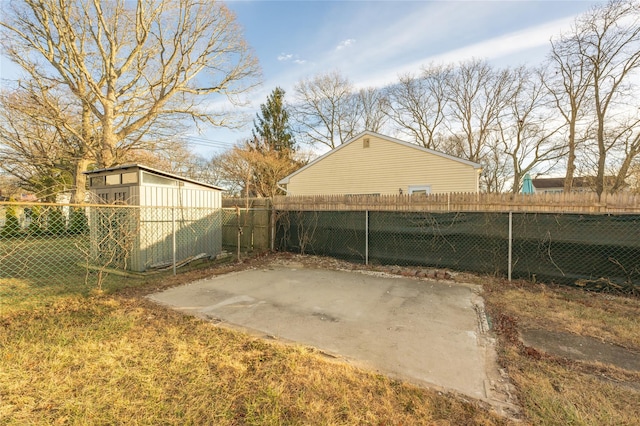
(599,252)
(51,249)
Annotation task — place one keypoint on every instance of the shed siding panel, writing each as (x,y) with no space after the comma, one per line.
(383,168)
(167,196)
(134,195)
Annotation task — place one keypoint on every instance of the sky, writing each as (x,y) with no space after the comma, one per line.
(372,42)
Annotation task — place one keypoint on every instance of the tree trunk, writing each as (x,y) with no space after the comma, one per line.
(602,153)
(80,180)
(623,172)
(109,139)
(571,159)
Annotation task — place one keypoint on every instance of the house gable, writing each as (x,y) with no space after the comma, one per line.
(375,164)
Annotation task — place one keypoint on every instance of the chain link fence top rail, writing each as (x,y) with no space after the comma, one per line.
(53,249)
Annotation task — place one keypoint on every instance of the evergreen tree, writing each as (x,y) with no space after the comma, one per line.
(11,226)
(271,127)
(78,222)
(56,222)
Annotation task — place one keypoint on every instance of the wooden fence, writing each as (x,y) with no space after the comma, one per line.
(587,203)
(248,223)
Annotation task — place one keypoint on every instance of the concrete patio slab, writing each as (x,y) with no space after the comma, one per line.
(429,332)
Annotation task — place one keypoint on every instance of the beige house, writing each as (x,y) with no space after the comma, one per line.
(375,164)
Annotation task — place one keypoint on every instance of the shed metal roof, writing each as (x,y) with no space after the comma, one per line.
(154,171)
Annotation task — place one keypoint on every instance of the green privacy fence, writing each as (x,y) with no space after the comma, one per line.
(588,250)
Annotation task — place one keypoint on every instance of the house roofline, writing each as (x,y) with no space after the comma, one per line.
(154,171)
(286,179)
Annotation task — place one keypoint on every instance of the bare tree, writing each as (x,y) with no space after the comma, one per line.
(495,167)
(324,108)
(478,96)
(176,159)
(418,105)
(9,186)
(528,133)
(610,46)
(201,169)
(235,168)
(568,83)
(132,65)
(627,142)
(250,171)
(371,104)
(37,145)
(634,177)
(602,55)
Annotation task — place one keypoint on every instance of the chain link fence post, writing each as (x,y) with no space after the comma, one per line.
(366,237)
(510,244)
(272,221)
(173,238)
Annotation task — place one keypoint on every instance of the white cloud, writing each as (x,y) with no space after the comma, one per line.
(507,45)
(345,43)
(285,56)
(424,33)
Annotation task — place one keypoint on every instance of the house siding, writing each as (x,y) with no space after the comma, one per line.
(383,168)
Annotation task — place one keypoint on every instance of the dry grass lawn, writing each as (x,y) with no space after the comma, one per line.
(115,358)
(555,390)
(118,359)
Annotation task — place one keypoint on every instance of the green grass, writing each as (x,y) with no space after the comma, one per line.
(35,271)
(28,254)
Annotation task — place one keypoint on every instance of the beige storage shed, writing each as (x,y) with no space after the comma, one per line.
(374,164)
(173,219)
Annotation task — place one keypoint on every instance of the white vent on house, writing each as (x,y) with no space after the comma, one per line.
(365,143)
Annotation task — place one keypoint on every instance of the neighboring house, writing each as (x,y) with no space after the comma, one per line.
(374,164)
(580,184)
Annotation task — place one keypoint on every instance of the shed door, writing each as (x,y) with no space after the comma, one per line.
(114,195)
